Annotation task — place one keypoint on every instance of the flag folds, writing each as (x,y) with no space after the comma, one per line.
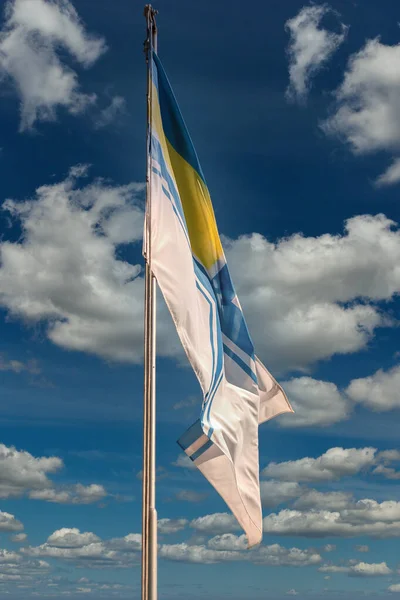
(189,264)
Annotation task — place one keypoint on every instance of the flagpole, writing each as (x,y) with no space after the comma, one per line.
(149,513)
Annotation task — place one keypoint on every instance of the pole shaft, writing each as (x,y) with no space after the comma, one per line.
(149,516)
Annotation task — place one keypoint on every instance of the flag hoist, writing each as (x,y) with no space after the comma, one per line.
(184,254)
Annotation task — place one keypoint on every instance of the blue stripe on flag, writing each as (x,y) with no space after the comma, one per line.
(191,435)
(208,404)
(241,363)
(158,155)
(201,450)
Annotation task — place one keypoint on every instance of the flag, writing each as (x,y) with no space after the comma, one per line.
(189,264)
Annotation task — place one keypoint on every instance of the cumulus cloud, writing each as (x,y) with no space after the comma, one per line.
(295,288)
(394,588)
(71,538)
(364,517)
(310,47)
(94,552)
(65,270)
(330,466)
(276,492)
(391,176)
(363,569)
(358,569)
(196,554)
(129,543)
(109,114)
(184,462)
(388,456)
(367,114)
(215,523)
(171,525)
(315,403)
(228,541)
(33,33)
(387,472)
(9,523)
(19,537)
(7,557)
(228,547)
(19,470)
(378,392)
(333,569)
(77,494)
(31,366)
(301,286)
(314,499)
(276,555)
(21,473)
(362,548)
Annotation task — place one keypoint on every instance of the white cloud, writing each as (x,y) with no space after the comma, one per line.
(295,289)
(184,462)
(292,592)
(363,569)
(309,48)
(358,569)
(387,472)
(20,470)
(379,392)
(365,517)
(78,494)
(228,541)
(9,523)
(91,552)
(362,548)
(18,366)
(394,588)
(333,569)
(276,555)
(71,538)
(330,466)
(111,112)
(7,557)
(388,456)
(301,286)
(314,499)
(314,403)
(391,176)
(19,537)
(187,403)
(91,300)
(229,547)
(215,523)
(368,108)
(33,32)
(276,492)
(171,525)
(129,543)
(196,554)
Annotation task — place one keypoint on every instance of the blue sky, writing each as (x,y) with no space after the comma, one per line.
(294,113)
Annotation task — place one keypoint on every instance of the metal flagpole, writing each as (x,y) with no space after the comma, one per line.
(149,515)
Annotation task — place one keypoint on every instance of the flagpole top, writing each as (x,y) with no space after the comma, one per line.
(150,12)
(150,15)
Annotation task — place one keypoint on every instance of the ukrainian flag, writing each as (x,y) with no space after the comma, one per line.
(189,264)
